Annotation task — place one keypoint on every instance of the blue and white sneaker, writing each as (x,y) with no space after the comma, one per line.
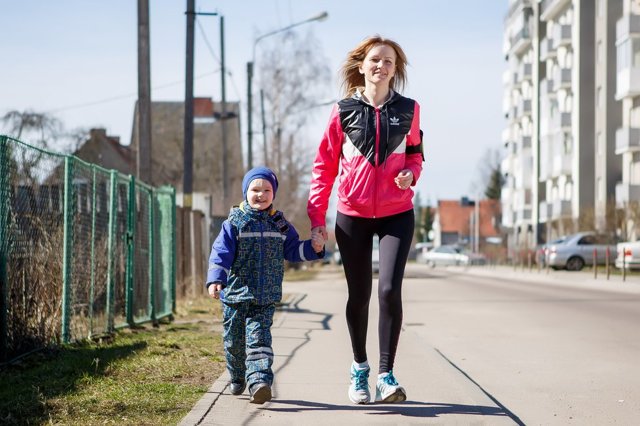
(388,389)
(359,392)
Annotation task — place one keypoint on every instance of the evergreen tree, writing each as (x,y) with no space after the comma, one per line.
(494,187)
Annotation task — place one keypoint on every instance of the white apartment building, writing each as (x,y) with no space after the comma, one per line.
(627,92)
(572,135)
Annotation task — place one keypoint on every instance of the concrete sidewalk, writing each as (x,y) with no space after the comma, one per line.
(313,356)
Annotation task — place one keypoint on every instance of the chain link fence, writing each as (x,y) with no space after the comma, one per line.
(83,250)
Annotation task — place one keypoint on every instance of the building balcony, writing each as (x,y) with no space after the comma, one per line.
(506,135)
(547,49)
(628,83)
(547,87)
(517,6)
(560,209)
(561,121)
(626,193)
(521,41)
(526,72)
(522,215)
(561,165)
(627,26)
(562,78)
(545,211)
(513,114)
(627,140)
(550,8)
(562,35)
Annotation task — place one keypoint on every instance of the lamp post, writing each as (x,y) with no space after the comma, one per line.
(250,66)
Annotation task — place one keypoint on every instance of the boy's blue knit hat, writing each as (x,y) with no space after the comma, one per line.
(259,172)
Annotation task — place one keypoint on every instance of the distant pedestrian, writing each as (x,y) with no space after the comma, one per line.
(246,269)
(374,141)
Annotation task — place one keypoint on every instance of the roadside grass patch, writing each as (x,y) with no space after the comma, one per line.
(141,376)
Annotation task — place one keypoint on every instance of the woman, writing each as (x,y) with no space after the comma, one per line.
(373,138)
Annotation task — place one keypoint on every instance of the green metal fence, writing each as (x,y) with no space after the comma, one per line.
(83,250)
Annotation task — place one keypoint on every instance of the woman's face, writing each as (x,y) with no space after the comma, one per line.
(379,66)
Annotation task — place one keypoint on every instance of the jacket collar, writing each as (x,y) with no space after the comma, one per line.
(359,97)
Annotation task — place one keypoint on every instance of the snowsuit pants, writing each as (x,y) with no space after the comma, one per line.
(247,341)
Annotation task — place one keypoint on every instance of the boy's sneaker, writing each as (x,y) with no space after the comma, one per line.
(388,389)
(236,388)
(260,393)
(359,392)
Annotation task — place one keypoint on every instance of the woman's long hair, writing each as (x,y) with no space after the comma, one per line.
(350,73)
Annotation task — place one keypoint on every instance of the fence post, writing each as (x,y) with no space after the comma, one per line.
(111,242)
(152,256)
(4,244)
(174,248)
(131,232)
(93,248)
(606,262)
(67,253)
(595,263)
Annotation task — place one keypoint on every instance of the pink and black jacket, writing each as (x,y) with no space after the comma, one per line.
(369,146)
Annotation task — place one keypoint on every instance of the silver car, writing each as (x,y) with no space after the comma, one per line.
(575,251)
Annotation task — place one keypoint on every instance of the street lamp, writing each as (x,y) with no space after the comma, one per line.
(319,17)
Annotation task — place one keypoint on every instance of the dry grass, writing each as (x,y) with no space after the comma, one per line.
(143,376)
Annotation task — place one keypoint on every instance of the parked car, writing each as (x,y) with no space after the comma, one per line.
(446,255)
(630,253)
(575,251)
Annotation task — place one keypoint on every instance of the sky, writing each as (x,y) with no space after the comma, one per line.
(77,59)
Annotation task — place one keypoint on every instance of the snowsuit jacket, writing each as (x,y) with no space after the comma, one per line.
(248,255)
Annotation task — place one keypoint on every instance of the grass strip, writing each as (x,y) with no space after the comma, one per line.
(144,376)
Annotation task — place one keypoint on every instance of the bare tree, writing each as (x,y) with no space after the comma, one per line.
(294,76)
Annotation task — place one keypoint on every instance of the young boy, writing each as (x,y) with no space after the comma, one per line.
(246,268)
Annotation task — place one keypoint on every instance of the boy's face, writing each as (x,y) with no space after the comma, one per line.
(260,194)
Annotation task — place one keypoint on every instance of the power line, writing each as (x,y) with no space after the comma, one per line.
(120,97)
(215,57)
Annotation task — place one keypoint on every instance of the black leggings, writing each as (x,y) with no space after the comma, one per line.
(354,236)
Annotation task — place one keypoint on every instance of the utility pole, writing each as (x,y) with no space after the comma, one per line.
(223,120)
(187,182)
(144,94)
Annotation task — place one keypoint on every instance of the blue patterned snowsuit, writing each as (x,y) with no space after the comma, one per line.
(248,257)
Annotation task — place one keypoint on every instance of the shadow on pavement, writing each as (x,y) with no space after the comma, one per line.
(408,408)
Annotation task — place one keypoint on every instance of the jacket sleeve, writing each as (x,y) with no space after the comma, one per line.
(415,150)
(296,250)
(325,169)
(222,255)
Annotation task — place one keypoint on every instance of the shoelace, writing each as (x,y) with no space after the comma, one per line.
(390,380)
(361,378)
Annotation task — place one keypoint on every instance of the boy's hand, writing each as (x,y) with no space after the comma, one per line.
(214,290)
(317,242)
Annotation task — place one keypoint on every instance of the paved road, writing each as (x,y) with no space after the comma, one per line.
(554,351)
(482,346)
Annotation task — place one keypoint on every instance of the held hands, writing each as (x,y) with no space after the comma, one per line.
(214,290)
(322,230)
(403,180)
(317,242)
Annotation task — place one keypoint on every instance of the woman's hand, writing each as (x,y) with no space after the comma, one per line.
(322,230)
(404,179)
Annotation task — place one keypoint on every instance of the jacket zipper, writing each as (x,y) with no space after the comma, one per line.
(375,169)
(261,288)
